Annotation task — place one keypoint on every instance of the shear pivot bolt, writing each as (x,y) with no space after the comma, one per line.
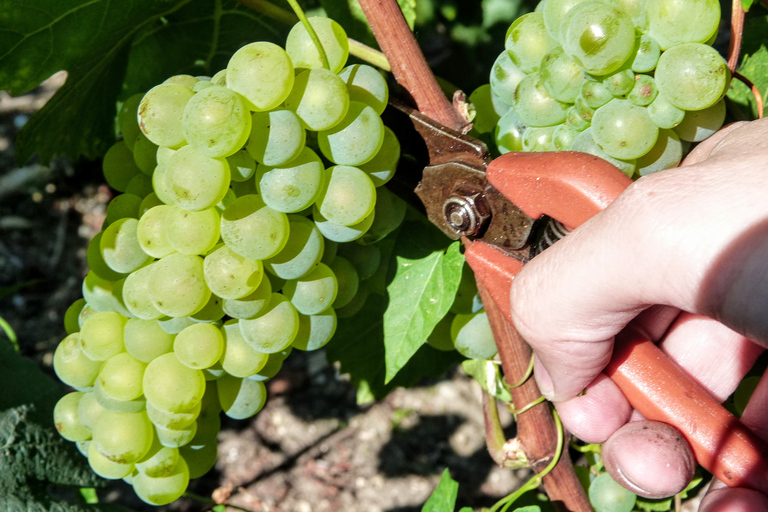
(467,215)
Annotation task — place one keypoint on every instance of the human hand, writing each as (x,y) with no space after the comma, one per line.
(692,239)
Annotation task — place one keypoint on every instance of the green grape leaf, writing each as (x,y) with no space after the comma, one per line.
(32,454)
(754,66)
(746,4)
(110,50)
(426,278)
(358,346)
(487,374)
(443,498)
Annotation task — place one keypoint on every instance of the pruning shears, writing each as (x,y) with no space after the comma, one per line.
(496,207)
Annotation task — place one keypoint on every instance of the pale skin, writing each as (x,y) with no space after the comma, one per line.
(684,254)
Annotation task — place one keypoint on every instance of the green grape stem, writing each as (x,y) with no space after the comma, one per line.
(312,34)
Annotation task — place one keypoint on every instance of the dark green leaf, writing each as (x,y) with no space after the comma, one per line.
(425,281)
(358,346)
(443,498)
(746,4)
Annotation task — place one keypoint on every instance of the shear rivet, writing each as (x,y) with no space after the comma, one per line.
(463,214)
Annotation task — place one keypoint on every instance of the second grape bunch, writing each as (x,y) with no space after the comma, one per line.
(227,249)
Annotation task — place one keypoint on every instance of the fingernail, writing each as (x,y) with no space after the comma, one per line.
(543,379)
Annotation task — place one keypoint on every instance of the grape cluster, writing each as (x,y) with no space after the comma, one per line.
(629,81)
(225,251)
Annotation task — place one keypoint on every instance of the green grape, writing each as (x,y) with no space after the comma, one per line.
(555,15)
(161,185)
(140,185)
(120,377)
(71,324)
(348,197)
(96,261)
(149,202)
(561,75)
(122,206)
(440,338)
(303,52)
(200,459)
(89,409)
(172,420)
(199,346)
(594,94)
(216,122)
(598,37)
(85,313)
(381,168)
(213,311)
(701,124)
(102,335)
(339,232)
(241,398)
(241,165)
(173,325)
(97,292)
(582,107)
(534,106)
(367,85)
(672,22)
(192,232)
(118,301)
(263,73)
(365,258)
(220,77)
(647,55)
(136,294)
(231,276)
(293,186)
(472,336)
(378,282)
(665,154)
(624,130)
(276,138)
(313,293)
(106,468)
(177,286)
(347,279)
(563,137)
(145,154)
(146,340)
(274,328)
(301,253)
(527,41)
(152,234)
(250,305)
(110,403)
(315,331)
(165,489)
(194,181)
(539,139)
(67,419)
(118,166)
(692,76)
(229,198)
(188,81)
(164,155)
(123,437)
(127,121)
(606,495)
(160,114)
(176,437)
(389,213)
(356,139)
(488,109)
(274,363)
(663,113)
(320,99)
(505,77)
(120,247)
(239,358)
(620,83)
(159,461)
(331,248)
(585,143)
(354,306)
(644,91)
(202,84)
(171,386)
(509,132)
(252,229)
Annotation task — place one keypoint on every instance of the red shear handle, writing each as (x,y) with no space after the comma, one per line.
(571,187)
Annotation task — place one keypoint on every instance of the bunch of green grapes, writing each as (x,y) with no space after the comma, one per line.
(227,249)
(631,81)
